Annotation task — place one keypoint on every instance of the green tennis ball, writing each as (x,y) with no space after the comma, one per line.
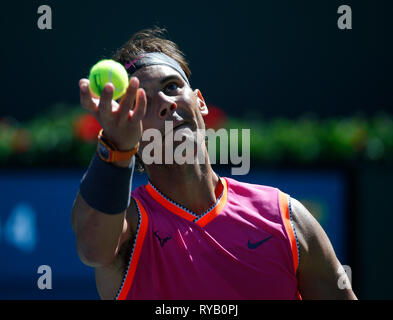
(106,71)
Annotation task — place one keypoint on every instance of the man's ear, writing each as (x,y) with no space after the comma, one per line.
(202,103)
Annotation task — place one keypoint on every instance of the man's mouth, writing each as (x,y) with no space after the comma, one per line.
(177,126)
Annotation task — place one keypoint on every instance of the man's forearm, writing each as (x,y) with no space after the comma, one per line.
(98,213)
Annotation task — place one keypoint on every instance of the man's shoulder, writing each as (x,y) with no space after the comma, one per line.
(252,192)
(247,185)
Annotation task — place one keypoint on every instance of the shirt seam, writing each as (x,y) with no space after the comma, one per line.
(132,251)
(197,217)
(294,230)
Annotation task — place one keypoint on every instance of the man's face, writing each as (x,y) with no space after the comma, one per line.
(169,98)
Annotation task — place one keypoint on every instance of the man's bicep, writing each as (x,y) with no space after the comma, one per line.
(319,270)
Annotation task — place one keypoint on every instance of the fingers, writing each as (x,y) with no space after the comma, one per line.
(105,104)
(132,105)
(86,99)
(140,105)
(128,100)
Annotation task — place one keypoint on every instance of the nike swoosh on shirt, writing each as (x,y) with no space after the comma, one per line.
(257,244)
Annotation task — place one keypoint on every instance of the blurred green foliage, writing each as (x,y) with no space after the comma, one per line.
(309,140)
(66,137)
(47,140)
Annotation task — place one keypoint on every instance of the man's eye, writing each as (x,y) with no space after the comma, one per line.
(171,86)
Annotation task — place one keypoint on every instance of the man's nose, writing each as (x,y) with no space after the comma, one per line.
(167,106)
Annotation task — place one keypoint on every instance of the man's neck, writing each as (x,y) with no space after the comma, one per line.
(192,186)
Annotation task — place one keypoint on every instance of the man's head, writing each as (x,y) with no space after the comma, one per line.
(151,40)
(164,75)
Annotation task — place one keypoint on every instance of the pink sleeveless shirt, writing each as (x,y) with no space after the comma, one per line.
(243,247)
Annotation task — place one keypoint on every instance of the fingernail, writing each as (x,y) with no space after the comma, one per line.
(84,87)
(108,89)
(133,83)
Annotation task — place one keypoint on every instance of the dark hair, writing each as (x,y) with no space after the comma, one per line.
(151,40)
(145,41)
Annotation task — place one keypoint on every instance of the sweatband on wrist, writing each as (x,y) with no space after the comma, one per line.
(107,188)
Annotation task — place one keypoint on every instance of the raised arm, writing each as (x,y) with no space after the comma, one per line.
(319,271)
(100,233)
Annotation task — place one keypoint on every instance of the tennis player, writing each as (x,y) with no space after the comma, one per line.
(189,233)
